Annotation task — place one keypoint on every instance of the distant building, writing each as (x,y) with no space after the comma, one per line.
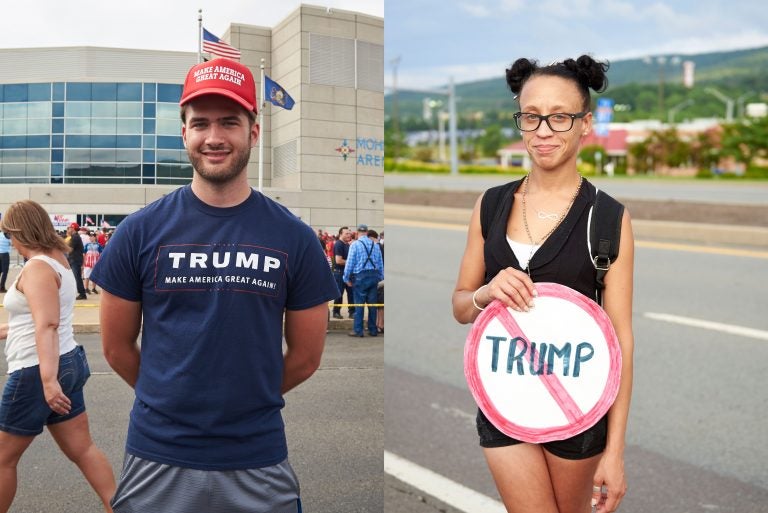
(617,142)
(95,132)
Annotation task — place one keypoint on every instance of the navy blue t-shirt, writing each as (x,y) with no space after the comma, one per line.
(213,284)
(341,249)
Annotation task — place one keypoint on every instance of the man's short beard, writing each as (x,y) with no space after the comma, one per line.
(238,166)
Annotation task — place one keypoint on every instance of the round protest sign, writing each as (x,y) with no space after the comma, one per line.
(547,374)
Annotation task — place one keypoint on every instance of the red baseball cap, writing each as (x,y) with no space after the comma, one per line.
(75,226)
(224,77)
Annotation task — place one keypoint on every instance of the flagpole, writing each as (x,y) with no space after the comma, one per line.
(199,36)
(261,126)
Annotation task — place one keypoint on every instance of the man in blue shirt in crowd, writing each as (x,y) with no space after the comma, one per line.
(211,269)
(363,271)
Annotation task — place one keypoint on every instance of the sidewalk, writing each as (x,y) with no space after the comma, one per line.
(87,311)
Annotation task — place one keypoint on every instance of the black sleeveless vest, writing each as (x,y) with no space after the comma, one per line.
(563,258)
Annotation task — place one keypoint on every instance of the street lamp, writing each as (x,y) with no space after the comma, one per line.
(429,106)
(677,108)
(725,99)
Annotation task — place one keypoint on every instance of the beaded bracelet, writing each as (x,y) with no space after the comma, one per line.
(474,300)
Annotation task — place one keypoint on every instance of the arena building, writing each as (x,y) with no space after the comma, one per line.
(94,133)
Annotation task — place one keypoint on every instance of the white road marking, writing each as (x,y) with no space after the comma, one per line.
(710,325)
(450,492)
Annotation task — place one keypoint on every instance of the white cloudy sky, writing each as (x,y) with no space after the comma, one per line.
(476,39)
(146,24)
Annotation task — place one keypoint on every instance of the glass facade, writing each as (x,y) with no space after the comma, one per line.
(97,133)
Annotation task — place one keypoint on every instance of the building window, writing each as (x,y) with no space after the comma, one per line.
(80,132)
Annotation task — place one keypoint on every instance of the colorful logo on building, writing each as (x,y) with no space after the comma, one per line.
(344,150)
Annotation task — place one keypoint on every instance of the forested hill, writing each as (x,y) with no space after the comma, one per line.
(739,74)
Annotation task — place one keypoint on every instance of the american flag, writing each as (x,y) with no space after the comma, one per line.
(216,46)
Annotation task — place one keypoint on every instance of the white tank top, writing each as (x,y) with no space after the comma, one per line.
(522,251)
(20,348)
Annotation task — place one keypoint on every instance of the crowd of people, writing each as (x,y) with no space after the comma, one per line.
(357,261)
(86,245)
(85,250)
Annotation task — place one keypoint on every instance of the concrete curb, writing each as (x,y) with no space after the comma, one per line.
(717,234)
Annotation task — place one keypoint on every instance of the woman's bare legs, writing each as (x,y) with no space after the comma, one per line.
(74,439)
(572,482)
(531,479)
(11,449)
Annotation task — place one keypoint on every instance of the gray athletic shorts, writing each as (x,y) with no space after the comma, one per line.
(150,487)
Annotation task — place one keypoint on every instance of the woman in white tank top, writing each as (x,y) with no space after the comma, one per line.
(46,368)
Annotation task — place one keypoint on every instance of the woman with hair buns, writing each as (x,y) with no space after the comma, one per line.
(539,235)
(46,368)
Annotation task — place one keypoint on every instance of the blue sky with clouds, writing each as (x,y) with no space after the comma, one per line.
(476,39)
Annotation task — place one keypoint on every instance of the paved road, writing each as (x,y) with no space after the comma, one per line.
(708,191)
(696,438)
(334,428)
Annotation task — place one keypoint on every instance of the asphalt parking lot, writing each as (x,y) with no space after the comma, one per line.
(334,424)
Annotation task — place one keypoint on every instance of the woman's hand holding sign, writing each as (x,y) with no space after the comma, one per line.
(512,287)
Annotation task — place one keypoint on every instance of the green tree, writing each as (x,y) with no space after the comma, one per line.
(666,148)
(641,157)
(394,144)
(491,140)
(746,141)
(706,148)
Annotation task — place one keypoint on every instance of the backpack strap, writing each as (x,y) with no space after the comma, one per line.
(603,237)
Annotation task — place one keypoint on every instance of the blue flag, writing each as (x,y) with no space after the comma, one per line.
(276,95)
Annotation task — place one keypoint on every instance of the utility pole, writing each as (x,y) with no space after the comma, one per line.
(452,127)
(395,111)
(661,62)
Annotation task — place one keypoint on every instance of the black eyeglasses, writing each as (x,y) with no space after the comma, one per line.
(557,121)
(7,235)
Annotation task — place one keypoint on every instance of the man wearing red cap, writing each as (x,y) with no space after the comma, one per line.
(212,283)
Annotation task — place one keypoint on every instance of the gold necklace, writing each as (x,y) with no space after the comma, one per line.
(559,220)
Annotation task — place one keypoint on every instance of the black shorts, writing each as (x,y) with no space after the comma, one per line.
(582,446)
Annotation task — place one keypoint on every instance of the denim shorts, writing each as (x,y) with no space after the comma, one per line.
(23,410)
(582,446)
